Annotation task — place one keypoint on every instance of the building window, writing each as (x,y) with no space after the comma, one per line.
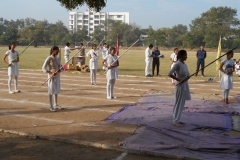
(91,18)
(96,22)
(119,16)
(96,17)
(85,22)
(79,21)
(91,29)
(102,16)
(85,17)
(111,17)
(71,16)
(91,13)
(71,21)
(79,16)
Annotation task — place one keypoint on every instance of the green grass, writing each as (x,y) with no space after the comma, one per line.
(131,63)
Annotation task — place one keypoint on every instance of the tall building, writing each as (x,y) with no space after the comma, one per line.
(91,19)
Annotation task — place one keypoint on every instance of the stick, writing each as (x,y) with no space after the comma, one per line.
(20,53)
(66,62)
(210,63)
(123,53)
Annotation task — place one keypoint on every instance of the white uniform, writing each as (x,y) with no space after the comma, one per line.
(182,91)
(93,64)
(227,79)
(66,54)
(52,64)
(104,55)
(13,70)
(111,75)
(147,61)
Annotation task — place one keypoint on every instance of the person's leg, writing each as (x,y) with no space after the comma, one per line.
(153,67)
(158,64)
(108,88)
(95,76)
(112,87)
(9,83)
(179,104)
(227,94)
(202,67)
(50,102)
(16,83)
(91,76)
(146,68)
(197,68)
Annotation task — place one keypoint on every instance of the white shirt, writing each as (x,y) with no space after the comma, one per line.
(104,52)
(66,51)
(113,72)
(12,55)
(148,54)
(173,56)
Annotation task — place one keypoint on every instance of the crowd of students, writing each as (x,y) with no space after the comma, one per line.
(178,72)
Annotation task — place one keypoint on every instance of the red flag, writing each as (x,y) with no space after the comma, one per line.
(117,45)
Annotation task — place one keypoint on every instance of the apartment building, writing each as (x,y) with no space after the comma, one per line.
(91,19)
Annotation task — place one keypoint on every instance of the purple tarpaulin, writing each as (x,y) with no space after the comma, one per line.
(154,111)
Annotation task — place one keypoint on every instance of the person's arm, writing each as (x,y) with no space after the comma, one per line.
(197,54)
(4,59)
(221,68)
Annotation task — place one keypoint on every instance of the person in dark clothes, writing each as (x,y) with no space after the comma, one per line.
(201,55)
(156,62)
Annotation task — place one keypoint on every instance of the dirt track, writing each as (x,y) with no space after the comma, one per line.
(86,106)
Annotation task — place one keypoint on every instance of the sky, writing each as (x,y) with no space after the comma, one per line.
(144,13)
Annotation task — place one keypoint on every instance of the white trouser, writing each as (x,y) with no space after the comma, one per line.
(225,93)
(110,86)
(10,81)
(147,68)
(180,98)
(93,74)
(66,58)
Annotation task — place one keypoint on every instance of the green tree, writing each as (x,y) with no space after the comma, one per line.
(72,4)
(213,23)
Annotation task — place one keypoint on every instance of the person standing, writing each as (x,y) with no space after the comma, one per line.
(93,63)
(148,58)
(156,62)
(111,64)
(173,60)
(104,50)
(82,53)
(182,92)
(67,52)
(227,67)
(52,67)
(13,68)
(201,55)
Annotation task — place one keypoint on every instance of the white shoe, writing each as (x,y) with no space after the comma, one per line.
(113,97)
(109,98)
(52,109)
(58,107)
(17,91)
(11,92)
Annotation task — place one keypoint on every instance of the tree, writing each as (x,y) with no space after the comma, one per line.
(215,22)
(72,4)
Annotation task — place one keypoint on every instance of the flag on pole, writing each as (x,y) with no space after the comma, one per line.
(218,62)
(117,45)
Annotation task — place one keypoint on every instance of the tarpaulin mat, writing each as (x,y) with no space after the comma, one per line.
(182,143)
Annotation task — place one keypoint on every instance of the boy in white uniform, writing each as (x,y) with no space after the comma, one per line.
(93,63)
(13,69)
(111,75)
(52,66)
(173,60)
(148,58)
(67,52)
(182,92)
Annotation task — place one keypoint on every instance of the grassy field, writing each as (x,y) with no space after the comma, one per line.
(132,63)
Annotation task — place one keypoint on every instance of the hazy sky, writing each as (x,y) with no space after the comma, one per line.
(157,13)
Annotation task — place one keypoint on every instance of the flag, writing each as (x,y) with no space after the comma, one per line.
(218,62)
(117,45)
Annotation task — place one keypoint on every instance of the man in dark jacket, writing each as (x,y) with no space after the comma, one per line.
(156,63)
(201,55)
